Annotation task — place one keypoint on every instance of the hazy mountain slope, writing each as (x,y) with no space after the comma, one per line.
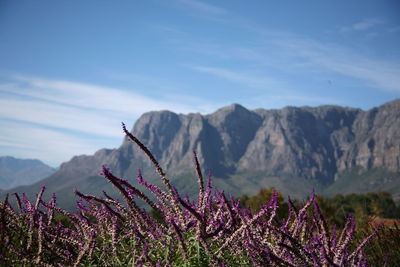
(15,172)
(294,149)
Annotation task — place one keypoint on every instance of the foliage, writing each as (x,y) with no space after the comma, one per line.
(363,206)
(369,210)
(212,230)
(255,203)
(335,209)
(384,249)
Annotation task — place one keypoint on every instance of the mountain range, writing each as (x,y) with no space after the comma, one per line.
(331,149)
(15,172)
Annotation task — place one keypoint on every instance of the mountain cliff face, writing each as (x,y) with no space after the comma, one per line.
(15,172)
(376,140)
(315,143)
(294,149)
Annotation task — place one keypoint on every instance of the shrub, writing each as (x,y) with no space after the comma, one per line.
(212,230)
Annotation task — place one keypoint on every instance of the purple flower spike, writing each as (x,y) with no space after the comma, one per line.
(210,230)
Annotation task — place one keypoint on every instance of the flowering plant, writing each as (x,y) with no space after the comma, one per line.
(210,230)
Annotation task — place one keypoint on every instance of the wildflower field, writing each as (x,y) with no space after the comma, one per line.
(212,230)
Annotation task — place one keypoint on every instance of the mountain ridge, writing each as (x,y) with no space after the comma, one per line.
(295,147)
(15,172)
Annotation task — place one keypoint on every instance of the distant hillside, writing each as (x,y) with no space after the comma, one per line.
(330,148)
(15,172)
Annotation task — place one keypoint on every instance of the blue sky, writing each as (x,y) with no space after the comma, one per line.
(71,71)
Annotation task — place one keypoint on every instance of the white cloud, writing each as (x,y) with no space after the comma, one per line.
(53,120)
(203,7)
(367,24)
(394,29)
(294,54)
(95,97)
(272,93)
(240,77)
(364,25)
(30,141)
(58,116)
(381,75)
